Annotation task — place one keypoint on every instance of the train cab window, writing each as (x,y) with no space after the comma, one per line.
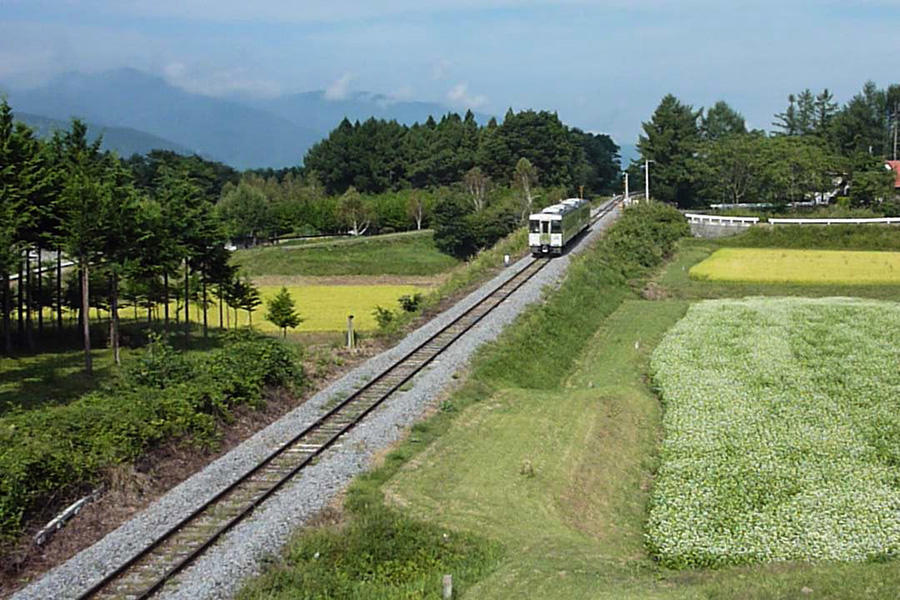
(555,226)
(534,226)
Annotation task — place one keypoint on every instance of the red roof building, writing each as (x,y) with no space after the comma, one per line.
(895,165)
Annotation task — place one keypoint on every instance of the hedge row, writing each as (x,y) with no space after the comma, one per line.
(50,453)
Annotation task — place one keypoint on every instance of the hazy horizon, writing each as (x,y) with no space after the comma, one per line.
(602,66)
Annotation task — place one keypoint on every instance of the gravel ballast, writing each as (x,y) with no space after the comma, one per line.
(220,572)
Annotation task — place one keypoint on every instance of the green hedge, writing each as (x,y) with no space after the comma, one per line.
(50,453)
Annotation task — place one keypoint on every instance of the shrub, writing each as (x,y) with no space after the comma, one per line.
(49,453)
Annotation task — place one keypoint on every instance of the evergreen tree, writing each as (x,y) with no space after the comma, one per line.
(720,121)
(787,121)
(670,139)
(84,197)
(281,312)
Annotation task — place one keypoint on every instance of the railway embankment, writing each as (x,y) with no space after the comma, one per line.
(218,574)
(514,379)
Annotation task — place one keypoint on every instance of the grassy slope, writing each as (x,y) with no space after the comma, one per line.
(395,255)
(575,530)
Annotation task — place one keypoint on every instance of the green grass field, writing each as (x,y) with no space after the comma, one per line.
(407,254)
(828,267)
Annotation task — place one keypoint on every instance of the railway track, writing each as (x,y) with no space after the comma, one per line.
(147,572)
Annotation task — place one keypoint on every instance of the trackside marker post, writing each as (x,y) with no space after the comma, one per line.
(350,331)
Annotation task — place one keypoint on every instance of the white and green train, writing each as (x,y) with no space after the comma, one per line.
(551,230)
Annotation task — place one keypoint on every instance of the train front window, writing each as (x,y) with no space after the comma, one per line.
(535,226)
(555,226)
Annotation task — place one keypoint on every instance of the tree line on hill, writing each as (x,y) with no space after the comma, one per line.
(151,230)
(818,150)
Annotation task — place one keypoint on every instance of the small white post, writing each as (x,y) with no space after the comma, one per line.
(626,187)
(506,259)
(448,587)
(350,331)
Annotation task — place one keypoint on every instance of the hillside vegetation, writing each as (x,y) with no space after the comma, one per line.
(159,396)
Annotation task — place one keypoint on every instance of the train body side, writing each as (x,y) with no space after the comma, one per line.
(551,230)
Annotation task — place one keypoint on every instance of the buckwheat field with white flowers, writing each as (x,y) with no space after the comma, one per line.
(782,433)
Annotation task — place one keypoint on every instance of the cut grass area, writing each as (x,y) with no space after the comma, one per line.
(410,254)
(782,438)
(576,528)
(765,265)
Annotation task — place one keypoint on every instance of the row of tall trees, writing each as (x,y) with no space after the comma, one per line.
(817,149)
(151,238)
(377,156)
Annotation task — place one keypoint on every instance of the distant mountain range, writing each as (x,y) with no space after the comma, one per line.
(137,112)
(124,140)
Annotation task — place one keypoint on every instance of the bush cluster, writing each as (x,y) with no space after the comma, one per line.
(160,395)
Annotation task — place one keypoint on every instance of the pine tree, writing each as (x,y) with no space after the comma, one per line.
(670,140)
(281,312)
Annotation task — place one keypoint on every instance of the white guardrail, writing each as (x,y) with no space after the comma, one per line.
(876,221)
(720,220)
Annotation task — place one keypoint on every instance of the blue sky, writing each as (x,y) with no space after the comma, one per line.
(602,65)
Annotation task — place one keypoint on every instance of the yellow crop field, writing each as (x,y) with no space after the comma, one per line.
(325,307)
(322,307)
(764,265)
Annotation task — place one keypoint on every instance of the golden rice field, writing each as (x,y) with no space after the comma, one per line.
(322,307)
(325,307)
(765,265)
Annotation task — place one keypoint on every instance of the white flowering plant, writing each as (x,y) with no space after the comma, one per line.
(782,433)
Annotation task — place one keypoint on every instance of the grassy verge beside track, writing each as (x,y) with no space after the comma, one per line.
(595,286)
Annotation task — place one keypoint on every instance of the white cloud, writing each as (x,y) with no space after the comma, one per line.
(339,88)
(441,69)
(459,95)
(219,82)
(404,92)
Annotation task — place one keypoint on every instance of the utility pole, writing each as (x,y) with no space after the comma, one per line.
(626,187)
(647,179)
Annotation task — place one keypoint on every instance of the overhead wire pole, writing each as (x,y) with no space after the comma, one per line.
(647,179)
